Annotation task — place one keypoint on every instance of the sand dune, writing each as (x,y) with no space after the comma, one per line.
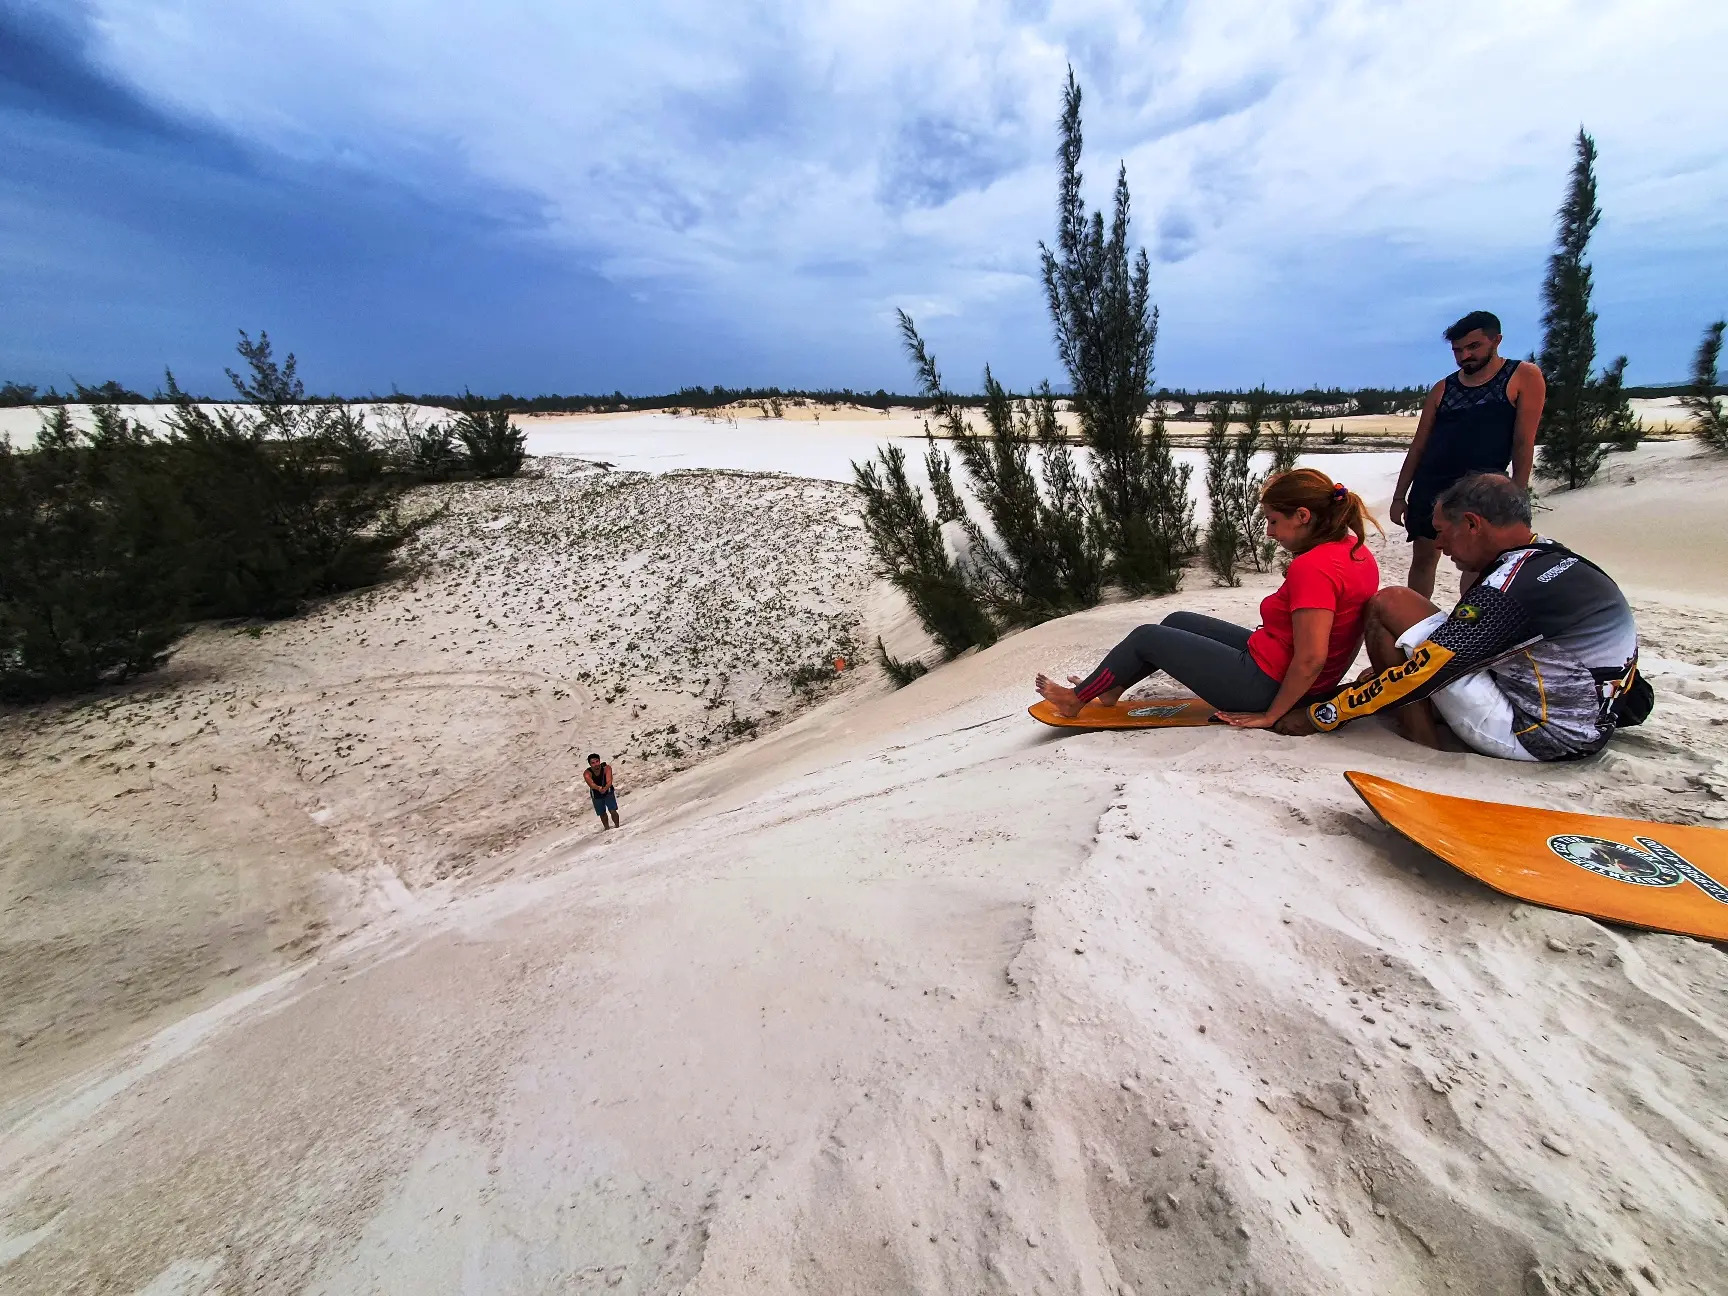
(181,837)
(914,995)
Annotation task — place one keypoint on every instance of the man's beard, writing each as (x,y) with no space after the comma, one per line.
(1474,366)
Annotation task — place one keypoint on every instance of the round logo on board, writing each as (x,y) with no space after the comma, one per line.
(1326,713)
(1612,859)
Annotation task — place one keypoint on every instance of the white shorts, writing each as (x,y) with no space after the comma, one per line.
(1474,708)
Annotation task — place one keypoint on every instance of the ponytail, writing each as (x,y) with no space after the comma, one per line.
(1336,509)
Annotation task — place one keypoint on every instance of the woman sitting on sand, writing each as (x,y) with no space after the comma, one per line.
(1311,626)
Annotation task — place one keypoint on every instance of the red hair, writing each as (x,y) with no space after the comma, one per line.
(1336,510)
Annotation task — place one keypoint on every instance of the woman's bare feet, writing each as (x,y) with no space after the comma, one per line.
(1060,696)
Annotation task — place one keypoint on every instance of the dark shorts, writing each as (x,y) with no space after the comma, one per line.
(1419,515)
(604,801)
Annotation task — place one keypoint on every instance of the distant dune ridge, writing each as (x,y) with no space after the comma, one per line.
(906,994)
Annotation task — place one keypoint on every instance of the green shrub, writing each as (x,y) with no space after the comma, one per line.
(92,532)
(913,555)
(901,672)
(492,445)
(1041,558)
(1709,422)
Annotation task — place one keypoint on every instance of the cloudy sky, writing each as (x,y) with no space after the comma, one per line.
(557,195)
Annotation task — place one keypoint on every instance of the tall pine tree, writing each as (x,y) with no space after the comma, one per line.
(1570,434)
(1106,327)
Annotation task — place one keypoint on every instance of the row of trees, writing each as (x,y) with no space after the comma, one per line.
(114,538)
(1055,536)
(1182,405)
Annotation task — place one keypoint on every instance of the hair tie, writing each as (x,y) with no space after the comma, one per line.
(1340,493)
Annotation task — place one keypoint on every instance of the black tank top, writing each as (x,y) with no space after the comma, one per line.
(1472,430)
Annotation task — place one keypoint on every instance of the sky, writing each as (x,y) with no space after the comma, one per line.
(560,196)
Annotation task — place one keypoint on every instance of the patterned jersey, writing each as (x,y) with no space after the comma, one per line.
(1551,628)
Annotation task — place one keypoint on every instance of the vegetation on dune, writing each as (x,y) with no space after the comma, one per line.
(1709,421)
(913,553)
(1234,535)
(1041,557)
(1055,536)
(1585,414)
(114,538)
(1220,545)
(492,444)
(92,531)
(1106,329)
(901,672)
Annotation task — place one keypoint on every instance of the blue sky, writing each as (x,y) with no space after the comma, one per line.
(535,195)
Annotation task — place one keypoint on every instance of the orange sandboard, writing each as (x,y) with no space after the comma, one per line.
(1670,877)
(1137,713)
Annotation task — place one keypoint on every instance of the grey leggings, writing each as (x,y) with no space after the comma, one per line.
(1206,655)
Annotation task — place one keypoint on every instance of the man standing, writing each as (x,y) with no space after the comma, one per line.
(598,777)
(1481,419)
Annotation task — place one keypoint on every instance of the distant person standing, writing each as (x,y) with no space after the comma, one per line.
(598,777)
(1481,419)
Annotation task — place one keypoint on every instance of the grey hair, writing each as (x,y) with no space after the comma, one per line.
(1497,500)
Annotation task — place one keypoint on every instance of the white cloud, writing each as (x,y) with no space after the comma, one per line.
(799,168)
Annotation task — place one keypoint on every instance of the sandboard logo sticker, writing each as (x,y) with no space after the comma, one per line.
(1163,712)
(1649,864)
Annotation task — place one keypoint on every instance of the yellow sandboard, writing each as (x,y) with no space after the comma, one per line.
(1136,713)
(1670,877)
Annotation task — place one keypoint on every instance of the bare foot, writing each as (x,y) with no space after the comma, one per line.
(1066,702)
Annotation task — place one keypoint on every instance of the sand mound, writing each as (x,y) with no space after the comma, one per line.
(914,995)
(279,785)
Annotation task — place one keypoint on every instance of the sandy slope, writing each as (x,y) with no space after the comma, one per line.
(185,835)
(913,995)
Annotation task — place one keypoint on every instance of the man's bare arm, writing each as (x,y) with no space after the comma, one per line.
(1413,456)
(1529,391)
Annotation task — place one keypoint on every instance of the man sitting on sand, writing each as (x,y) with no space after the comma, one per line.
(1311,625)
(598,777)
(1539,660)
(1480,419)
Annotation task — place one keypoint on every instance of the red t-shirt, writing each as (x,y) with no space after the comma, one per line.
(1327,576)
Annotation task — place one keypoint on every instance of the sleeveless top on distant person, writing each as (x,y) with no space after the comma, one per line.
(602,776)
(1472,430)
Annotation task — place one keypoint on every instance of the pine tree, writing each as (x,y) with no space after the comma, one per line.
(1069,520)
(1223,542)
(1106,329)
(1618,425)
(1037,563)
(1570,433)
(93,587)
(1246,483)
(912,553)
(279,517)
(1709,420)
(491,443)
(1287,440)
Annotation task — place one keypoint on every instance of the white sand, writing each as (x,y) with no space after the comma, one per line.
(260,797)
(913,995)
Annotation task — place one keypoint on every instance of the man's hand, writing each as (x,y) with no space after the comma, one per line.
(1248,719)
(1295,723)
(1399,508)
